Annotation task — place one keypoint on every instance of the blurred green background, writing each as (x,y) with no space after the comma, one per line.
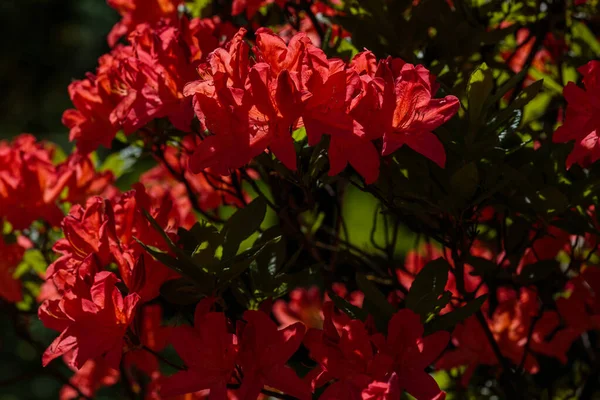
(45,45)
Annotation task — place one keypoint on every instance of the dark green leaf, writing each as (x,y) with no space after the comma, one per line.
(428,287)
(449,321)
(351,310)
(242,225)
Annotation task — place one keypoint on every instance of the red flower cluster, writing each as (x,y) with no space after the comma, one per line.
(143,81)
(26,167)
(211,354)
(345,355)
(135,12)
(91,310)
(251,106)
(582,118)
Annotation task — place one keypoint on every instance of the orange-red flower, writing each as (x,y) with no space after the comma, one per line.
(92,321)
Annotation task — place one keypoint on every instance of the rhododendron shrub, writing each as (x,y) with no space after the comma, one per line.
(316,200)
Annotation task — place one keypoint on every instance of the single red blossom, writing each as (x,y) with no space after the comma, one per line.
(11,255)
(264,350)
(582,118)
(92,320)
(134,12)
(510,324)
(277,106)
(82,180)
(26,167)
(85,248)
(140,272)
(94,374)
(417,113)
(410,353)
(251,6)
(306,306)
(209,352)
(89,124)
(389,390)
(152,335)
(344,354)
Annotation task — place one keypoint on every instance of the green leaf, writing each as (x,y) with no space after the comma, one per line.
(375,302)
(521,101)
(33,261)
(506,87)
(582,32)
(427,288)
(202,279)
(481,83)
(448,321)
(242,225)
(121,162)
(537,272)
(351,310)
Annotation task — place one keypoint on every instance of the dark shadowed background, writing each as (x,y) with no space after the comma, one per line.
(45,44)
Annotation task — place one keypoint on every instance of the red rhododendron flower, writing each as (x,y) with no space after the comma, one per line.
(94,375)
(411,353)
(142,274)
(264,350)
(345,354)
(416,114)
(78,174)
(306,306)
(152,335)
(26,167)
(209,352)
(11,255)
(582,117)
(136,12)
(85,248)
(93,320)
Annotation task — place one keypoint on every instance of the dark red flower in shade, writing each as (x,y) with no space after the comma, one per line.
(264,351)
(92,320)
(134,12)
(510,324)
(152,335)
(251,6)
(94,374)
(417,113)
(389,390)
(209,351)
(582,117)
(344,354)
(410,353)
(306,305)
(11,255)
